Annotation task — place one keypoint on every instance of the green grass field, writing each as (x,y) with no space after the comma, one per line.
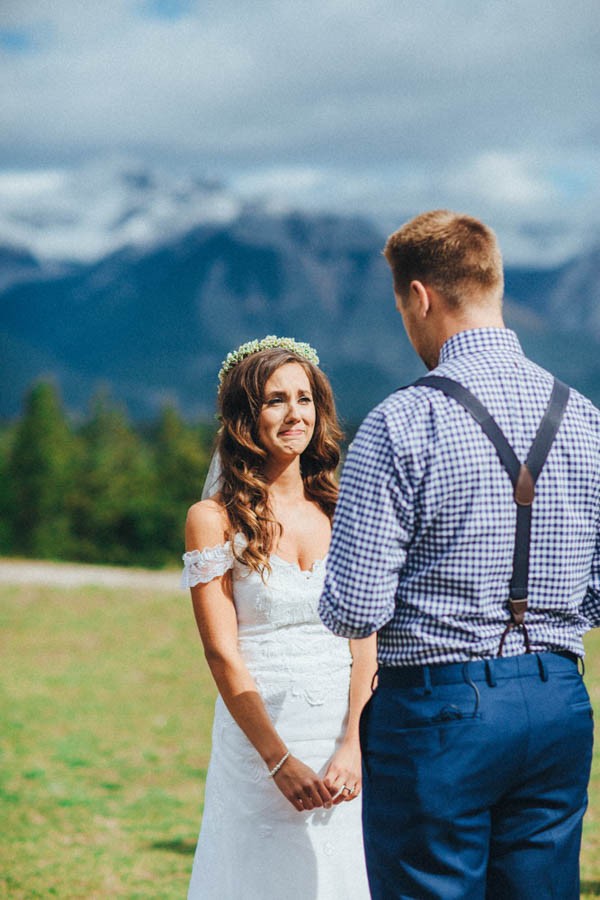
(106,708)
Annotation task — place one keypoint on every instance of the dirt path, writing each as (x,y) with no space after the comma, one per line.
(77,575)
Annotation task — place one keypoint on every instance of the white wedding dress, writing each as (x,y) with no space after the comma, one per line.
(253,844)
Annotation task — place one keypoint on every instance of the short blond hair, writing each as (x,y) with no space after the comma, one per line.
(456,254)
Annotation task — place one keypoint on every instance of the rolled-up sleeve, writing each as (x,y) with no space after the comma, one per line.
(371,530)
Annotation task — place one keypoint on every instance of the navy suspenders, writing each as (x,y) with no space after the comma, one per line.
(522,475)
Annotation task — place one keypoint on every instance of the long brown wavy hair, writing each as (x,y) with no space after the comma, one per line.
(244,487)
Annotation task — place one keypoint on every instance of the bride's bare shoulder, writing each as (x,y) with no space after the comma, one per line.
(206,523)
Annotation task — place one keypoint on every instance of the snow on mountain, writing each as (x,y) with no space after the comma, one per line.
(82,215)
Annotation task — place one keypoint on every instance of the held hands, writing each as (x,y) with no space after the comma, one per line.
(301,786)
(344,775)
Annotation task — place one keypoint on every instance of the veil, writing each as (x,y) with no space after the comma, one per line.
(212,483)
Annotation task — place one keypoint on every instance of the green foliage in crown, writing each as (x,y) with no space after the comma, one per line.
(270,342)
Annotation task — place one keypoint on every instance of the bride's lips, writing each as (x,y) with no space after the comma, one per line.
(292,432)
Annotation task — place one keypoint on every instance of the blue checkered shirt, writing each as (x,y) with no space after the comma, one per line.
(424,531)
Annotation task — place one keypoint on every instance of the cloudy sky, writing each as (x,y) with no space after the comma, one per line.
(384,107)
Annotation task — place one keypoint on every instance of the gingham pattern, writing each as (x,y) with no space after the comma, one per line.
(424,531)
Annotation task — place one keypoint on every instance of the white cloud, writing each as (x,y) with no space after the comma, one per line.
(381,105)
(505,180)
(315,80)
(19,186)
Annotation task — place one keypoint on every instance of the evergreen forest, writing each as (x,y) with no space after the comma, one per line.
(100,490)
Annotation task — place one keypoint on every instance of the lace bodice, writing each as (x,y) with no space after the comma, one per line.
(280,634)
(288,595)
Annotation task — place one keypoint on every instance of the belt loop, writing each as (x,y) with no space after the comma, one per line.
(542,667)
(471,683)
(489,673)
(581,660)
(427,680)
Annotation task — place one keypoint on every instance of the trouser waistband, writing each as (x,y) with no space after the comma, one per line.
(475,670)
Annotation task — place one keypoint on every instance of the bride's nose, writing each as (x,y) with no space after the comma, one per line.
(293,413)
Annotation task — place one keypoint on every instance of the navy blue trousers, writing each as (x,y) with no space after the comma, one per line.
(475,780)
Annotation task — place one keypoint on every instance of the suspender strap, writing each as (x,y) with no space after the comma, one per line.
(548,429)
(538,453)
(463,395)
(522,475)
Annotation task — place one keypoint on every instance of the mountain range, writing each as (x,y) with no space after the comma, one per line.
(168,279)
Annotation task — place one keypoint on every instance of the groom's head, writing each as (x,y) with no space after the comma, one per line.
(448,276)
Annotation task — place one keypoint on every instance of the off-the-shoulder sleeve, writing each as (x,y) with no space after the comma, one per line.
(201,566)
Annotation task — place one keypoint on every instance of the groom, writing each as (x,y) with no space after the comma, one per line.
(480,575)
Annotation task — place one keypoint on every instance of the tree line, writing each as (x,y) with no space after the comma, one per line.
(101,490)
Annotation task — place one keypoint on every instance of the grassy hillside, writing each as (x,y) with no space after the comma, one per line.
(106,706)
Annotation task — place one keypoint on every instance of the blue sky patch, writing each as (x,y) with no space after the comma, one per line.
(168,9)
(16,40)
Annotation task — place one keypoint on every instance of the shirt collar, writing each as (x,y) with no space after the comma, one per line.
(480,340)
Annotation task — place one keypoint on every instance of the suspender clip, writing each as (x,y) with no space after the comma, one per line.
(518,608)
(517,619)
(524,491)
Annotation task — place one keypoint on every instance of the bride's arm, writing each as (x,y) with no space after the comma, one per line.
(215,615)
(345,765)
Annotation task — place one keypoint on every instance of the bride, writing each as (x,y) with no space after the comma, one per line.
(282,807)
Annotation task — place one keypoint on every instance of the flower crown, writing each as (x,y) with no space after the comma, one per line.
(270,342)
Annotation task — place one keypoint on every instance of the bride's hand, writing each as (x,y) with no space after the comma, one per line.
(301,786)
(344,774)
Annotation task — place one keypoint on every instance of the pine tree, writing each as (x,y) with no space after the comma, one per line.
(102,493)
(114,507)
(40,469)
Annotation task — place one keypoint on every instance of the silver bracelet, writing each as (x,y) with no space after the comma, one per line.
(276,768)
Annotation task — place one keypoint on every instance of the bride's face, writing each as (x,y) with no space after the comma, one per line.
(287,418)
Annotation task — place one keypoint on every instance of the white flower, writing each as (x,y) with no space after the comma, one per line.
(270,342)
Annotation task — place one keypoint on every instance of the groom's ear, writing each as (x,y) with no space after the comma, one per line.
(420,296)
